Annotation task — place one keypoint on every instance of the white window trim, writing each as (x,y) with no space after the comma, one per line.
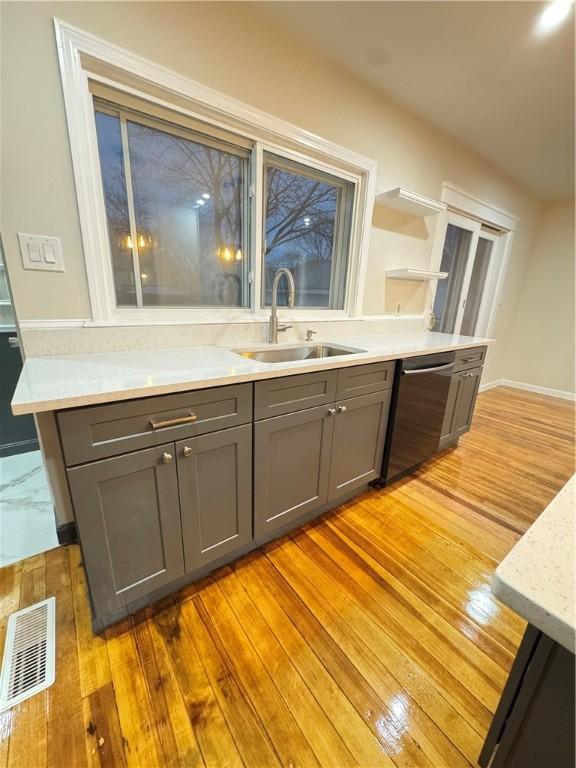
(229,113)
(466,203)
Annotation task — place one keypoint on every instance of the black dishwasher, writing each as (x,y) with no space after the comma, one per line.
(421,387)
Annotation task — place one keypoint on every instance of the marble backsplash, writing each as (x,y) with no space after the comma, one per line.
(42,341)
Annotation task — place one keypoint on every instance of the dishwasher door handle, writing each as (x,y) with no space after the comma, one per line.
(428,370)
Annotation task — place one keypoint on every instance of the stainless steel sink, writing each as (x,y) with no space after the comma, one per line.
(302,352)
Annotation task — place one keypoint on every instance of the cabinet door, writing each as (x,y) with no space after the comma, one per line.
(447,435)
(291,466)
(460,405)
(215,482)
(465,401)
(358,442)
(128,517)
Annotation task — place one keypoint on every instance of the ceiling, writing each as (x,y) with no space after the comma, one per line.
(476,70)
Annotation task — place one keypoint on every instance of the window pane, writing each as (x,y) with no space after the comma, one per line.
(116,201)
(188,203)
(454,259)
(476,289)
(4,292)
(307,230)
(6,310)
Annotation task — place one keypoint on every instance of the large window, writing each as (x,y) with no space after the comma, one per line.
(176,212)
(307,229)
(190,200)
(181,202)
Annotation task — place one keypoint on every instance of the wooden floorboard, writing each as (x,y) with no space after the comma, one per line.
(367,638)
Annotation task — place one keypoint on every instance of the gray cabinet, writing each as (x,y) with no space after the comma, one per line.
(533,725)
(304,460)
(291,466)
(460,405)
(166,488)
(474,357)
(128,519)
(215,483)
(358,442)
(275,397)
(100,431)
(363,379)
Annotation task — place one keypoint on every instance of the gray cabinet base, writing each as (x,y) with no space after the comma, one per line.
(101,622)
(533,725)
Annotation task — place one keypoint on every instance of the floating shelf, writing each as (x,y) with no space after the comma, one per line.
(410,202)
(415,274)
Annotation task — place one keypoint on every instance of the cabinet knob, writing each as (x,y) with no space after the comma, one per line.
(331,411)
(342,409)
(187,451)
(167,458)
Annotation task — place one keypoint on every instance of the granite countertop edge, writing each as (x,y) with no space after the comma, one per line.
(536,578)
(69,381)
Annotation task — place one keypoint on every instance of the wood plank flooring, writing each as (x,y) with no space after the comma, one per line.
(369,638)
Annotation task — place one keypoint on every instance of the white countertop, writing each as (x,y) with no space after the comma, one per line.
(69,381)
(536,578)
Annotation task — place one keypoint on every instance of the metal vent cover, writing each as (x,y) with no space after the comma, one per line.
(28,664)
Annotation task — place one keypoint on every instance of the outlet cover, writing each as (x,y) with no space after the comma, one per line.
(41,252)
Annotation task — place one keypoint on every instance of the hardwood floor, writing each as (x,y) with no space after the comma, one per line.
(368,638)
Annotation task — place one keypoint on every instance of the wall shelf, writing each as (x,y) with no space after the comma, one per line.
(410,202)
(415,274)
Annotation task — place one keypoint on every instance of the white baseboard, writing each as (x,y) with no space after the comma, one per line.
(490,385)
(548,391)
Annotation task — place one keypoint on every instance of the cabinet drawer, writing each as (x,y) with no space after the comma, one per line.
(364,379)
(100,431)
(275,397)
(469,358)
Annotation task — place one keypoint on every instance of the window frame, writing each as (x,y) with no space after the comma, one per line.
(276,160)
(487,220)
(126,115)
(84,59)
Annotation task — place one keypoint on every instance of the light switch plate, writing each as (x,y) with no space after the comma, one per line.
(41,252)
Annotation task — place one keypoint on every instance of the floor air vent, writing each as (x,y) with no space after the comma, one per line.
(28,664)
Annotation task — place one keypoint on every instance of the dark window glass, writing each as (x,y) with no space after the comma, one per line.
(186,201)
(307,230)
(116,201)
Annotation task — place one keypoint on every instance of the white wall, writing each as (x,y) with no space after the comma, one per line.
(238,50)
(541,349)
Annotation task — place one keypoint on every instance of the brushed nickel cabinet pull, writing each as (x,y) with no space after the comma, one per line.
(173,422)
(331,411)
(342,409)
(187,451)
(167,458)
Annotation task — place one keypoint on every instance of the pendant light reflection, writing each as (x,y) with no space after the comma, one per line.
(143,240)
(229,254)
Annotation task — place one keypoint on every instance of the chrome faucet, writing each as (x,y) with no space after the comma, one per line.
(273,326)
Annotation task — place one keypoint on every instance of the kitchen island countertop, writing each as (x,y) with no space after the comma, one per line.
(536,578)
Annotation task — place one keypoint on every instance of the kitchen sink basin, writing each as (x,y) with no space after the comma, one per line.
(302,352)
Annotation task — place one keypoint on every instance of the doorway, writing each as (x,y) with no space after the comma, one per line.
(471,256)
(27,523)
